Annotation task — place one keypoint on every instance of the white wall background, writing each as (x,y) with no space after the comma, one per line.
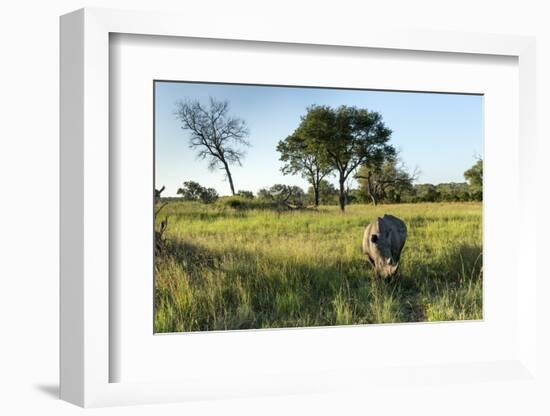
(29,101)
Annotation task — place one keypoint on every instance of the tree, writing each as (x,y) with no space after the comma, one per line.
(214,133)
(386,180)
(209,195)
(327,193)
(301,156)
(426,193)
(474,176)
(284,195)
(193,191)
(190,191)
(453,192)
(347,137)
(264,195)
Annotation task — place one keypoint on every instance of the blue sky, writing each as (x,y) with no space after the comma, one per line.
(440,134)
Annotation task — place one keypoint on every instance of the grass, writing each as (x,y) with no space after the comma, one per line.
(225,268)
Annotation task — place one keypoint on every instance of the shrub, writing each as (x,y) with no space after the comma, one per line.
(193,191)
(235,202)
(240,203)
(246,194)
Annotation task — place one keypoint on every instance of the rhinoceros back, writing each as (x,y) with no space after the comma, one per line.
(397,232)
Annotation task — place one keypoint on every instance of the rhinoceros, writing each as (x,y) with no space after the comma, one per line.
(383,241)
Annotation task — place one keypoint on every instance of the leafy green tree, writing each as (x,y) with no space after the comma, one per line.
(474,176)
(209,195)
(327,193)
(385,181)
(357,195)
(193,191)
(190,191)
(426,193)
(453,192)
(301,156)
(284,195)
(346,138)
(264,195)
(214,133)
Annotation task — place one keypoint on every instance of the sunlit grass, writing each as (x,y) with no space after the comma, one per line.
(236,269)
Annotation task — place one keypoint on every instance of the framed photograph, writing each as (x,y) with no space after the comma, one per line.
(282,213)
(296,211)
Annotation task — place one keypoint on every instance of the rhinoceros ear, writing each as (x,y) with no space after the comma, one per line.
(374,238)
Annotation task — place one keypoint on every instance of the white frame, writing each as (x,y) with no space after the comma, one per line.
(85,201)
(137,60)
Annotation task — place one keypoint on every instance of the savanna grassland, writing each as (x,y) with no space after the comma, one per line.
(223,268)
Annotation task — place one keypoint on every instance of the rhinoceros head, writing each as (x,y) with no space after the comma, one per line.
(384,262)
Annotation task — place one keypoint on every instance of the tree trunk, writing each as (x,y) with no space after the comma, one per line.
(373,199)
(316,194)
(229,177)
(342,198)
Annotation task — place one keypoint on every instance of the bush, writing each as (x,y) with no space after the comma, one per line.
(240,203)
(246,194)
(193,191)
(235,202)
(283,196)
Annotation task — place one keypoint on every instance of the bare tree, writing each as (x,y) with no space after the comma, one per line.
(159,239)
(158,192)
(214,133)
(158,205)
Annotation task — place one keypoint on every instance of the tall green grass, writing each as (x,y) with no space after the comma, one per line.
(225,268)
